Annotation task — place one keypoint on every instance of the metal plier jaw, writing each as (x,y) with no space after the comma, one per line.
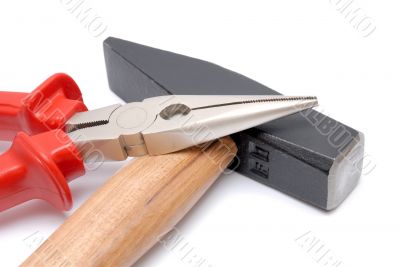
(165,124)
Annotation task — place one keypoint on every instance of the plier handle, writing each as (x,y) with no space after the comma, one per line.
(39,164)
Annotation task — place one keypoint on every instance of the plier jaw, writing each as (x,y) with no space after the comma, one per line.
(183,121)
(165,124)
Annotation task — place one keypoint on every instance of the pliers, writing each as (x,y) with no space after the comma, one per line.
(54,134)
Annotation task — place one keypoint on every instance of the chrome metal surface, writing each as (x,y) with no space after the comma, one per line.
(165,124)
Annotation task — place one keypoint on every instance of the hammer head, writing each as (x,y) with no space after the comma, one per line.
(307,155)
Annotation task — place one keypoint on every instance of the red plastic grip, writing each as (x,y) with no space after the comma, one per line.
(48,107)
(39,167)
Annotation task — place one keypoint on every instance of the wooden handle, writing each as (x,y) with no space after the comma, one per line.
(135,208)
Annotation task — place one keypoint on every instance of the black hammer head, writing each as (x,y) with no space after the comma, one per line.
(307,155)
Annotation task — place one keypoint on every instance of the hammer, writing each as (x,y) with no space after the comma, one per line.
(142,202)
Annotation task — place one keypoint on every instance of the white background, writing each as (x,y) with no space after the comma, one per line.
(295,47)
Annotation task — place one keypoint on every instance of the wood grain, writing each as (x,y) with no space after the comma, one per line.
(135,208)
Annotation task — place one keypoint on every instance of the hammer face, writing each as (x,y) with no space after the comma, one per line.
(345,172)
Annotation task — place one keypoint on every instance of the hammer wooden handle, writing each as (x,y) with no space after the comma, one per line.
(135,208)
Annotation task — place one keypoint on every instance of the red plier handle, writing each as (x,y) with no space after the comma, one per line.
(42,158)
(46,108)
